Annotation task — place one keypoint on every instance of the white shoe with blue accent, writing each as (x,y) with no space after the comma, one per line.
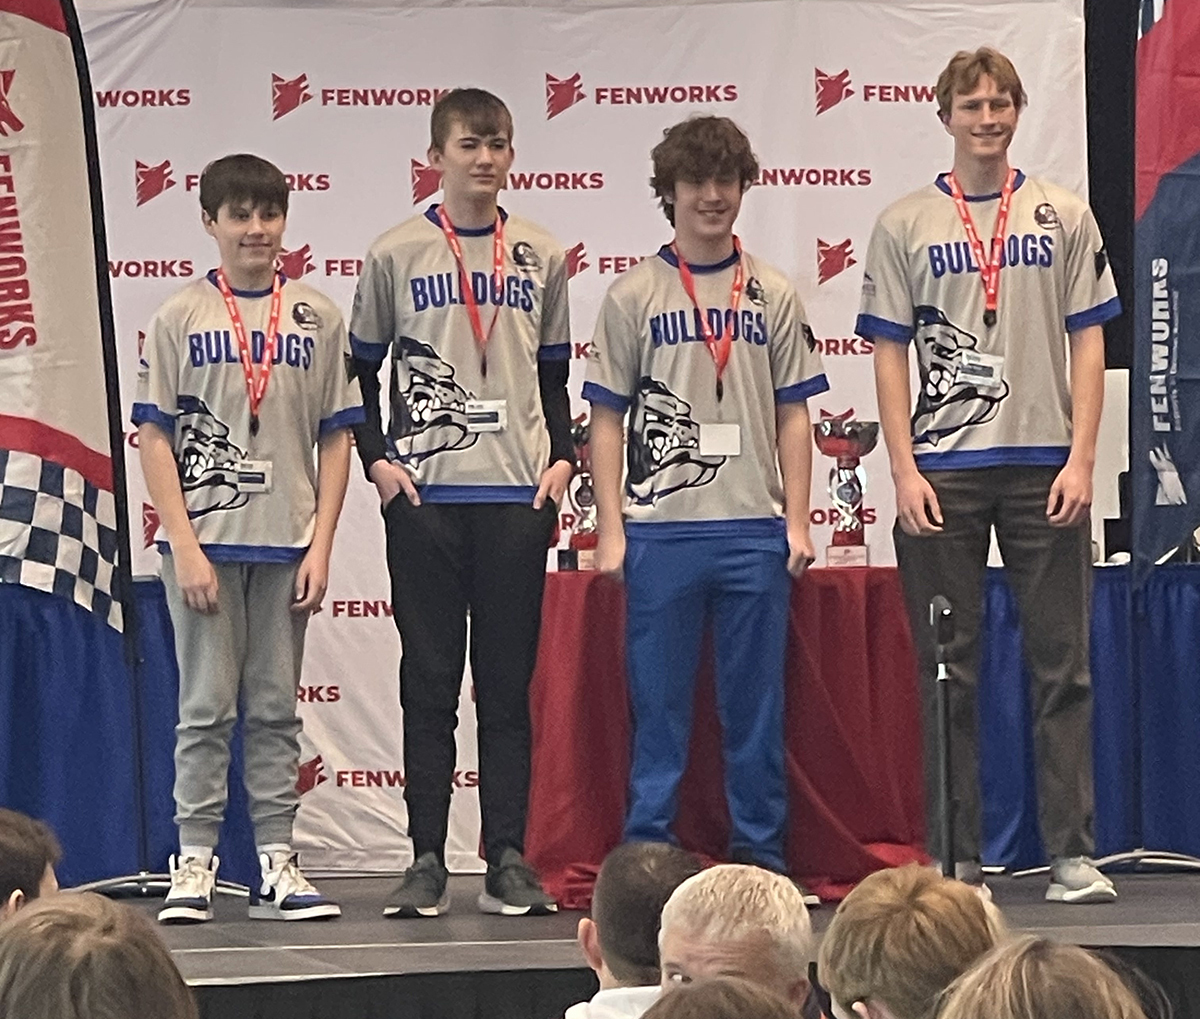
(191,894)
(286,894)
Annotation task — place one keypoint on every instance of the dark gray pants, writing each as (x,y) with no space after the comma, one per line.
(1050,572)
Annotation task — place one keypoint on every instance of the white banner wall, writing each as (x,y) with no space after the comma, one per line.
(836,96)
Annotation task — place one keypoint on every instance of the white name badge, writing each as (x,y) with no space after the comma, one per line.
(487,415)
(720,440)
(984,371)
(253,475)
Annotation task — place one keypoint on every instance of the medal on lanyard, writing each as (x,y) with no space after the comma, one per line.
(989,268)
(481,337)
(256,385)
(719,349)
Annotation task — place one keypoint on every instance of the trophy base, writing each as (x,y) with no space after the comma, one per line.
(587,558)
(846,555)
(576,559)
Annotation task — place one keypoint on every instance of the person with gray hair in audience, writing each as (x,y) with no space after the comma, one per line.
(741,921)
(620,939)
(81,956)
(723,998)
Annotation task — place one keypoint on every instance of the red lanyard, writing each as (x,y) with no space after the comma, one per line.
(989,270)
(256,386)
(719,349)
(481,338)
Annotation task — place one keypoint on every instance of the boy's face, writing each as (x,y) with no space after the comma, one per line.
(706,211)
(982,122)
(474,166)
(248,237)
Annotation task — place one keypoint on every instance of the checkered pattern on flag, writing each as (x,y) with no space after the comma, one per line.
(58,533)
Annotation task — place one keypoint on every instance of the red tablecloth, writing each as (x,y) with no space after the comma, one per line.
(852,730)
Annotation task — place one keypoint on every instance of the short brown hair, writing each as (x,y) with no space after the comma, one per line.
(634,883)
(900,938)
(243,178)
(700,149)
(965,69)
(1034,978)
(475,109)
(27,848)
(80,956)
(722,998)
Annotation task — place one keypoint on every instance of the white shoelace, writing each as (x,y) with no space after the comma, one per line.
(190,879)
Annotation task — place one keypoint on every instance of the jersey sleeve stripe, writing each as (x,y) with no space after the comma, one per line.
(554,352)
(344,418)
(149,413)
(802,390)
(594,393)
(870,327)
(1094,316)
(364,350)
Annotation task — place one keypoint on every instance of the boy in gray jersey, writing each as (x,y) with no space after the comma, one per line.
(470,305)
(990,272)
(242,373)
(708,352)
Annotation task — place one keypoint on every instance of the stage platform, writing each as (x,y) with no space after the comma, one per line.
(465,964)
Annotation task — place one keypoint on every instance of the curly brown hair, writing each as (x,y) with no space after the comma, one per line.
(699,149)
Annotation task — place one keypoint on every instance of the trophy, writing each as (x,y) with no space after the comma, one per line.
(839,436)
(580,553)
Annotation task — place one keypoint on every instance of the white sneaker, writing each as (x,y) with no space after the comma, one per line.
(286,894)
(1076,880)
(191,894)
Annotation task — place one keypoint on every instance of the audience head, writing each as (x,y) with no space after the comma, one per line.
(1033,978)
(737,920)
(1149,992)
(620,941)
(80,956)
(28,854)
(898,940)
(722,998)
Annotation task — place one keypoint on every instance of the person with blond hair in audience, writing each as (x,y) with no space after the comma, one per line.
(899,939)
(28,854)
(738,920)
(620,939)
(723,998)
(1035,978)
(84,957)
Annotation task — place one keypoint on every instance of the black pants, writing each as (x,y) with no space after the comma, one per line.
(445,559)
(1050,572)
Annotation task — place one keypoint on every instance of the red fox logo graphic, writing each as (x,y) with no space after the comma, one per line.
(287,95)
(563,93)
(576,260)
(832,89)
(311,775)
(152,181)
(298,263)
(426,181)
(9,121)
(833,259)
(150,522)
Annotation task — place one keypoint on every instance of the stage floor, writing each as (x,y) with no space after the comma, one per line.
(1153,911)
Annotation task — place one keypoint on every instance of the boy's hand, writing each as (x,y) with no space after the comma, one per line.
(196,579)
(610,554)
(312,581)
(800,551)
(554,481)
(392,480)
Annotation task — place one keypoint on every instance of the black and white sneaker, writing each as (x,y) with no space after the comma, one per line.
(421,892)
(286,894)
(191,894)
(511,888)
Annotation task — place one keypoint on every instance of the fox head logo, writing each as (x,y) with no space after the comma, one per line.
(286,94)
(151,181)
(563,93)
(833,259)
(10,123)
(150,524)
(832,89)
(310,775)
(426,181)
(298,263)
(576,260)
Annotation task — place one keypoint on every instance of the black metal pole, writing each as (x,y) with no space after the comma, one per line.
(941,620)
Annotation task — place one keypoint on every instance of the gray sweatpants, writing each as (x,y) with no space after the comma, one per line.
(1050,572)
(249,651)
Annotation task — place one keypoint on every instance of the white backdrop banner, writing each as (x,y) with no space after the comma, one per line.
(836,96)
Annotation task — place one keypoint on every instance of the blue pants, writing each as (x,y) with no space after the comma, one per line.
(674,586)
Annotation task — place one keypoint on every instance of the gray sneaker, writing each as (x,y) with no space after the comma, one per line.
(1076,880)
(512,889)
(421,892)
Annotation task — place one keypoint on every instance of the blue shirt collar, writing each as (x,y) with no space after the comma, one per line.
(943,186)
(668,256)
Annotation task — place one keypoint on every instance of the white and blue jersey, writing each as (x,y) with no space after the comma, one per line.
(409,306)
(921,283)
(648,357)
(191,385)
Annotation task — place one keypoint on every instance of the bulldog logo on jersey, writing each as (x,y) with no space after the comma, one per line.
(306,316)
(207,460)
(755,293)
(664,446)
(945,404)
(431,415)
(525,257)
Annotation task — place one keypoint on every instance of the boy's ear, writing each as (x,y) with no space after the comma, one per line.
(589,943)
(207,221)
